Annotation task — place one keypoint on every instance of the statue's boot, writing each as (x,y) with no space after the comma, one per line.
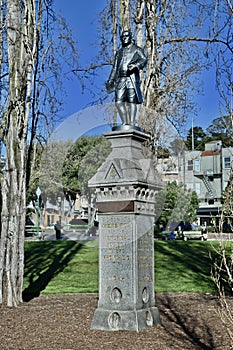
(121,108)
(132,113)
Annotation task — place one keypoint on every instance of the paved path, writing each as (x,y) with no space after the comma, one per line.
(49,235)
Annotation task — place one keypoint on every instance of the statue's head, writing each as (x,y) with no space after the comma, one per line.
(126,37)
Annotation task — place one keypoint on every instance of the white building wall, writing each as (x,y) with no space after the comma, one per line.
(206,172)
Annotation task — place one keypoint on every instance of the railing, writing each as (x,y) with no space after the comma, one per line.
(208,185)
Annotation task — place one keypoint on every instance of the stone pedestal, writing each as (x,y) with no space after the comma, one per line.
(126,186)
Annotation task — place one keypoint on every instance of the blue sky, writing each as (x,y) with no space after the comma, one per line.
(82,17)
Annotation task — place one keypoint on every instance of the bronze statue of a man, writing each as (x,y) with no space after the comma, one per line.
(124,78)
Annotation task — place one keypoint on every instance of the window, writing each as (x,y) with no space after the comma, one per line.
(197,165)
(198,188)
(190,165)
(227,162)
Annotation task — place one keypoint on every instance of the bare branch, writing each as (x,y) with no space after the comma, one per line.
(91,67)
(196,39)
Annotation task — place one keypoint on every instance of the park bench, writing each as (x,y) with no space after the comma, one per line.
(74,228)
(194,235)
(31,231)
(164,235)
(81,225)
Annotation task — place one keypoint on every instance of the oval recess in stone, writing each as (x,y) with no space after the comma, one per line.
(116,295)
(145,295)
(149,319)
(114,320)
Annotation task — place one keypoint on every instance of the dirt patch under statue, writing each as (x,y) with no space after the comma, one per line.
(62,322)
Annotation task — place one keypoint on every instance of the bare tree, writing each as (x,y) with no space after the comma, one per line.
(181,39)
(223,260)
(223,263)
(30,72)
(224,62)
(22,47)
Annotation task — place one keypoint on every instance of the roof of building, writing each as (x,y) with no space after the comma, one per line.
(210,153)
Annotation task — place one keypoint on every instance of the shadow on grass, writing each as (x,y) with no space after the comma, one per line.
(187,261)
(43,261)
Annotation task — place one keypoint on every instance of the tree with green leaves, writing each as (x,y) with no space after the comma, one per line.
(177,204)
(196,139)
(82,160)
(221,129)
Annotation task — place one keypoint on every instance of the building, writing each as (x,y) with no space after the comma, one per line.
(205,172)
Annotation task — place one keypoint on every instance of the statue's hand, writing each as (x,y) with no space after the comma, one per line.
(109,86)
(132,66)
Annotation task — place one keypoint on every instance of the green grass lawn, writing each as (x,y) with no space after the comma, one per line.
(72,267)
(60,267)
(183,266)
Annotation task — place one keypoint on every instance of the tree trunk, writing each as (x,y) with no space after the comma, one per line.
(138,19)
(125,14)
(22,46)
(13,222)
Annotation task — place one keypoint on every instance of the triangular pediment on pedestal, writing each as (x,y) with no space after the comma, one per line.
(113,172)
